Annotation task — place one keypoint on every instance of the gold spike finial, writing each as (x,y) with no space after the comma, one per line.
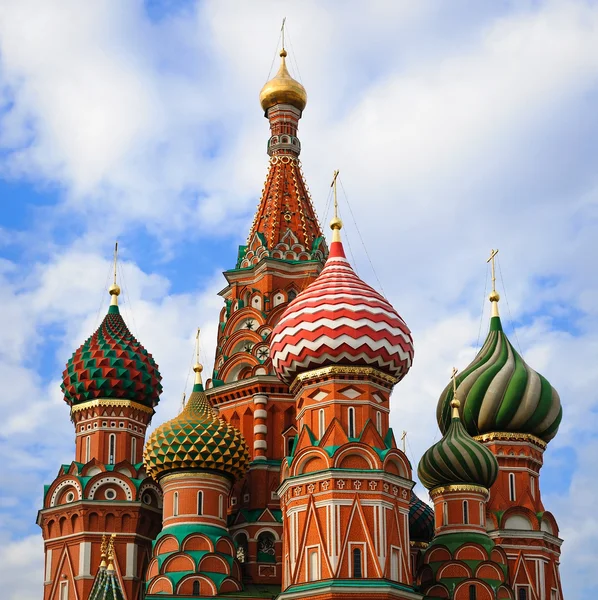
(494,296)
(114,289)
(455,404)
(197,367)
(111,552)
(103,550)
(336,224)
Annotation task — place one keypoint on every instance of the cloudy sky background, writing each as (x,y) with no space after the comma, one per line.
(457,127)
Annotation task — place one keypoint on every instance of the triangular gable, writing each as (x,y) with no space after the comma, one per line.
(371,437)
(357,529)
(306,439)
(334,435)
(405,564)
(266,517)
(312,525)
(65,566)
(521,571)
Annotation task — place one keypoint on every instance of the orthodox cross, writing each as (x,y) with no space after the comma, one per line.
(454,378)
(282,31)
(404,436)
(493,253)
(197,346)
(115,259)
(333,186)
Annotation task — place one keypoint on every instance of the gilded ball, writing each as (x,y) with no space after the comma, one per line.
(197,368)
(336,223)
(494,296)
(455,403)
(114,290)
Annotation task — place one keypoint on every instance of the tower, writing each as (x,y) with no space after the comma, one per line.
(195,457)
(514,412)
(345,488)
(112,385)
(285,251)
(462,562)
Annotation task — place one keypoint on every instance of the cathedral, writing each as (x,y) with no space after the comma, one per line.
(280,477)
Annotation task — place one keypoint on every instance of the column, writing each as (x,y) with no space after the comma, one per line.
(260,427)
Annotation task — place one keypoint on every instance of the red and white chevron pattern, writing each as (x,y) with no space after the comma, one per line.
(339,319)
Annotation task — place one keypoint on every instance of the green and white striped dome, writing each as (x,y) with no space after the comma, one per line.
(499,392)
(457,459)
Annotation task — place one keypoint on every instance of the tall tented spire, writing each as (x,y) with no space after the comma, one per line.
(285,226)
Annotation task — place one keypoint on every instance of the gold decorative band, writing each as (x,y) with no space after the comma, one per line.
(422,545)
(111,402)
(198,475)
(510,436)
(458,487)
(342,370)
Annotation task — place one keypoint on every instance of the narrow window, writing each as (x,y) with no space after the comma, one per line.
(522,593)
(482,515)
(379,422)
(357,573)
(465,512)
(196,588)
(351,422)
(532,485)
(473,595)
(64,590)
(88,448)
(512,496)
(175,505)
(220,506)
(314,570)
(200,503)
(445,513)
(321,422)
(292,295)
(290,442)
(111,448)
(133,450)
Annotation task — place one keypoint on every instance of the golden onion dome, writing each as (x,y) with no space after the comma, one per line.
(283,89)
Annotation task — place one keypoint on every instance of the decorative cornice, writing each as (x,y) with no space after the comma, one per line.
(342,370)
(111,402)
(201,475)
(510,436)
(459,487)
(422,545)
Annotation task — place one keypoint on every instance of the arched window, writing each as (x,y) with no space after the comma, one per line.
(221,506)
(290,444)
(522,593)
(175,504)
(242,546)
(482,514)
(445,513)
(351,422)
(200,503)
(473,594)
(88,448)
(512,494)
(111,448)
(196,588)
(321,422)
(357,571)
(292,295)
(465,512)
(133,450)
(313,565)
(379,422)
(532,486)
(265,547)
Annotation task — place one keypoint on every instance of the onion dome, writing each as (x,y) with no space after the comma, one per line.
(283,89)
(196,439)
(457,459)
(421,520)
(339,319)
(112,364)
(501,393)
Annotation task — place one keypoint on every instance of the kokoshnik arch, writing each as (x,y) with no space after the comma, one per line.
(281,477)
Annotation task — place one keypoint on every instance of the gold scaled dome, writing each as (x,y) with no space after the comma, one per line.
(283,89)
(196,439)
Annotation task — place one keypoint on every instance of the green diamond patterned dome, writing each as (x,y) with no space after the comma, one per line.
(457,459)
(499,392)
(196,439)
(112,364)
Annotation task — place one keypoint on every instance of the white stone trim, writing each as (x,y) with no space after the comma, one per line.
(260,429)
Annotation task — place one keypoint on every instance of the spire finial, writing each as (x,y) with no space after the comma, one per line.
(114,289)
(283,52)
(455,404)
(336,224)
(197,368)
(111,552)
(404,440)
(103,550)
(494,296)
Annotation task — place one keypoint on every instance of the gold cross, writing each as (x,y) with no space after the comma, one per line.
(454,378)
(403,437)
(197,346)
(115,259)
(493,253)
(333,185)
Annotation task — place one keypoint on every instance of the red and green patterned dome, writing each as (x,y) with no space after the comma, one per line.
(112,364)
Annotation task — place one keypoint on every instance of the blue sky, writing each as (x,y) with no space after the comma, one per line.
(457,127)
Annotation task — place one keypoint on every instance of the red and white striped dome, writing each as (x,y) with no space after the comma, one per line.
(339,319)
